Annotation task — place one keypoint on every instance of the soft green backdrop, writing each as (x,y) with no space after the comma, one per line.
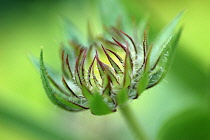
(177,109)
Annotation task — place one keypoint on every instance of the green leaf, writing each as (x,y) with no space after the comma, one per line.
(144,79)
(98,106)
(68,57)
(73,32)
(165,61)
(88,95)
(113,14)
(45,81)
(36,62)
(107,95)
(110,11)
(51,93)
(162,40)
(122,96)
(90,33)
(54,78)
(68,105)
(127,69)
(139,36)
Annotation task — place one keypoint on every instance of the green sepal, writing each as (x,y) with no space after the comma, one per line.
(87,94)
(73,32)
(69,104)
(127,69)
(165,60)
(90,33)
(111,77)
(143,82)
(144,79)
(45,81)
(165,36)
(49,91)
(52,72)
(122,96)
(140,29)
(113,8)
(98,106)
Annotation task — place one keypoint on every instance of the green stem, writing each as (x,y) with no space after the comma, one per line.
(132,123)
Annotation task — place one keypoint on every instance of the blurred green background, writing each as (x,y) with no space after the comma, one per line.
(176,109)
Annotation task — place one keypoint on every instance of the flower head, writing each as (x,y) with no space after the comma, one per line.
(109,72)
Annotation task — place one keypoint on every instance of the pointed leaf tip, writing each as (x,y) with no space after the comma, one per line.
(164,38)
(52,95)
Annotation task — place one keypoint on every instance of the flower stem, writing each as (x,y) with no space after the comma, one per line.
(132,123)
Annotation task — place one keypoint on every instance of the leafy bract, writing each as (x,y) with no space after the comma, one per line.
(164,62)
(163,39)
(73,32)
(98,106)
(122,96)
(58,99)
(144,79)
